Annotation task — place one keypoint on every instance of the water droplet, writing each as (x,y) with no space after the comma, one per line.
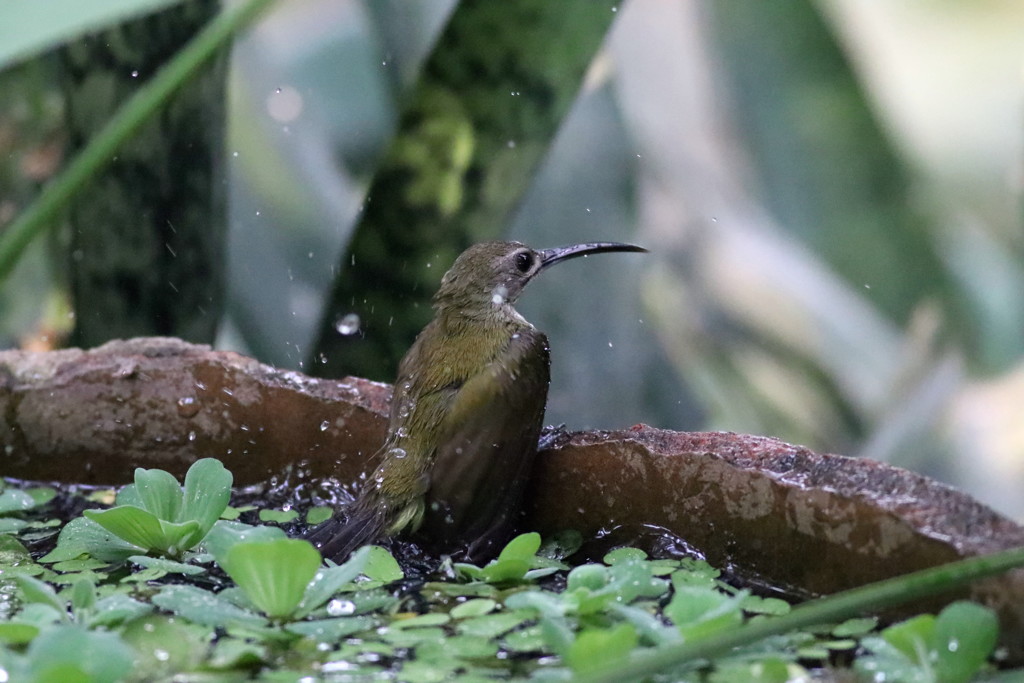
(188,406)
(397,453)
(191,436)
(324,425)
(499,295)
(135,73)
(953,645)
(341,608)
(161,655)
(511,144)
(348,324)
(610,345)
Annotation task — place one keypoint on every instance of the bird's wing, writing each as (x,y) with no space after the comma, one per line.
(484,457)
(338,537)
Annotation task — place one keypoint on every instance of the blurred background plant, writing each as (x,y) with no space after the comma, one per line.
(831,192)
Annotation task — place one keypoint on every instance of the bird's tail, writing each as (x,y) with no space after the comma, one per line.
(337,538)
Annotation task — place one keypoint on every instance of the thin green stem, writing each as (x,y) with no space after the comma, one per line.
(850,603)
(140,107)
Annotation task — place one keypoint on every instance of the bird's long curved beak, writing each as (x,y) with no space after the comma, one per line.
(552,256)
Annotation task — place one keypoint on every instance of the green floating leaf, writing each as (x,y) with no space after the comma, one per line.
(561,545)
(754,604)
(701,612)
(83,596)
(766,670)
(278,516)
(203,607)
(623,554)
(167,566)
(132,525)
(65,653)
(594,649)
(41,592)
(857,626)
(523,546)
(911,637)
(545,603)
(493,625)
(159,492)
(116,609)
(473,608)
(382,566)
(165,646)
(319,514)
(514,561)
(13,633)
(420,620)
(331,630)
(12,525)
(225,534)
(207,492)
(327,582)
(588,576)
(13,500)
(273,574)
(964,637)
(42,494)
(13,553)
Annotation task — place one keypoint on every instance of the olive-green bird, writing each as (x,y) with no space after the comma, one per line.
(466,412)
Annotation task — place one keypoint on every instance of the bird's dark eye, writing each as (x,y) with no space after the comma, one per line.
(524,261)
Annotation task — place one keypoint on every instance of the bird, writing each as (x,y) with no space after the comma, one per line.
(466,413)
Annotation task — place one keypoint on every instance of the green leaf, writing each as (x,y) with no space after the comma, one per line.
(473,608)
(132,524)
(13,500)
(179,536)
(912,637)
(327,582)
(33,27)
(589,576)
(522,547)
(754,604)
(83,536)
(700,612)
(204,607)
(225,534)
(129,495)
(857,626)
(492,625)
(116,609)
(319,514)
(83,596)
(561,545)
(382,566)
(505,570)
(159,492)
(331,630)
(624,554)
(273,574)
(278,516)
(165,565)
(12,633)
(207,492)
(964,637)
(35,590)
(101,656)
(594,649)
